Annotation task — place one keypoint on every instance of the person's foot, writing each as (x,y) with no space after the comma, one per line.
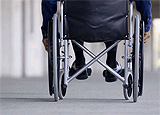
(110,77)
(84,75)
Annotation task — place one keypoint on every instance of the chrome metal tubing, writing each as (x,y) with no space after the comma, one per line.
(96,58)
(131,20)
(136,72)
(61,23)
(66,67)
(131,31)
(55,75)
(100,61)
(127,43)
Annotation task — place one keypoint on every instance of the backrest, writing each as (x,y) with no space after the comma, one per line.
(96,20)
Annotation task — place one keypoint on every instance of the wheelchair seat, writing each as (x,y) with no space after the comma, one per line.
(96,21)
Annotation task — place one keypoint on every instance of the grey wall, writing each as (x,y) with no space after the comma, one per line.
(21,37)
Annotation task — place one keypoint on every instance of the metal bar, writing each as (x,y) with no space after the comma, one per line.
(100,61)
(64,43)
(55,75)
(55,45)
(128,42)
(131,31)
(61,22)
(66,67)
(131,20)
(92,61)
(137,47)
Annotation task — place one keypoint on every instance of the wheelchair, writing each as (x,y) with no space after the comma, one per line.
(93,21)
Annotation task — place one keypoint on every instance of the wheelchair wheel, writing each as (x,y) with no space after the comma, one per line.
(50,60)
(50,74)
(53,58)
(62,86)
(50,70)
(141,60)
(129,88)
(136,59)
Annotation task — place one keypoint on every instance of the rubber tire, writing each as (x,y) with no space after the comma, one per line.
(62,91)
(141,66)
(50,59)
(128,91)
(136,54)
(50,62)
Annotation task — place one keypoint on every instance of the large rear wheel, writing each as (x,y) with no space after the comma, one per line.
(50,58)
(135,60)
(141,60)
(53,58)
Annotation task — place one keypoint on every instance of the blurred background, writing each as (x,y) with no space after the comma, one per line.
(22,53)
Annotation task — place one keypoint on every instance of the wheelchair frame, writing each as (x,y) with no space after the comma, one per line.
(61,77)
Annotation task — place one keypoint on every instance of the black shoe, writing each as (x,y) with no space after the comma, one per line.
(110,77)
(122,73)
(84,75)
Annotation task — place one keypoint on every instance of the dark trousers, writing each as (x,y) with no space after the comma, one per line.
(80,59)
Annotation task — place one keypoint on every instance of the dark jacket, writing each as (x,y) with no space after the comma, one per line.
(49,8)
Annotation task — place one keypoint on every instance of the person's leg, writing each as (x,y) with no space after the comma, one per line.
(111,57)
(80,59)
(111,61)
(79,62)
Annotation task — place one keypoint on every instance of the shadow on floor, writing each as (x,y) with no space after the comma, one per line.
(66,100)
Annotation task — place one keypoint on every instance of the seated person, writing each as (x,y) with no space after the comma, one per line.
(49,7)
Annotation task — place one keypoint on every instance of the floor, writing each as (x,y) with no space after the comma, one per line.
(29,96)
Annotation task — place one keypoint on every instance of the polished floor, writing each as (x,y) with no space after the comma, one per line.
(29,96)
